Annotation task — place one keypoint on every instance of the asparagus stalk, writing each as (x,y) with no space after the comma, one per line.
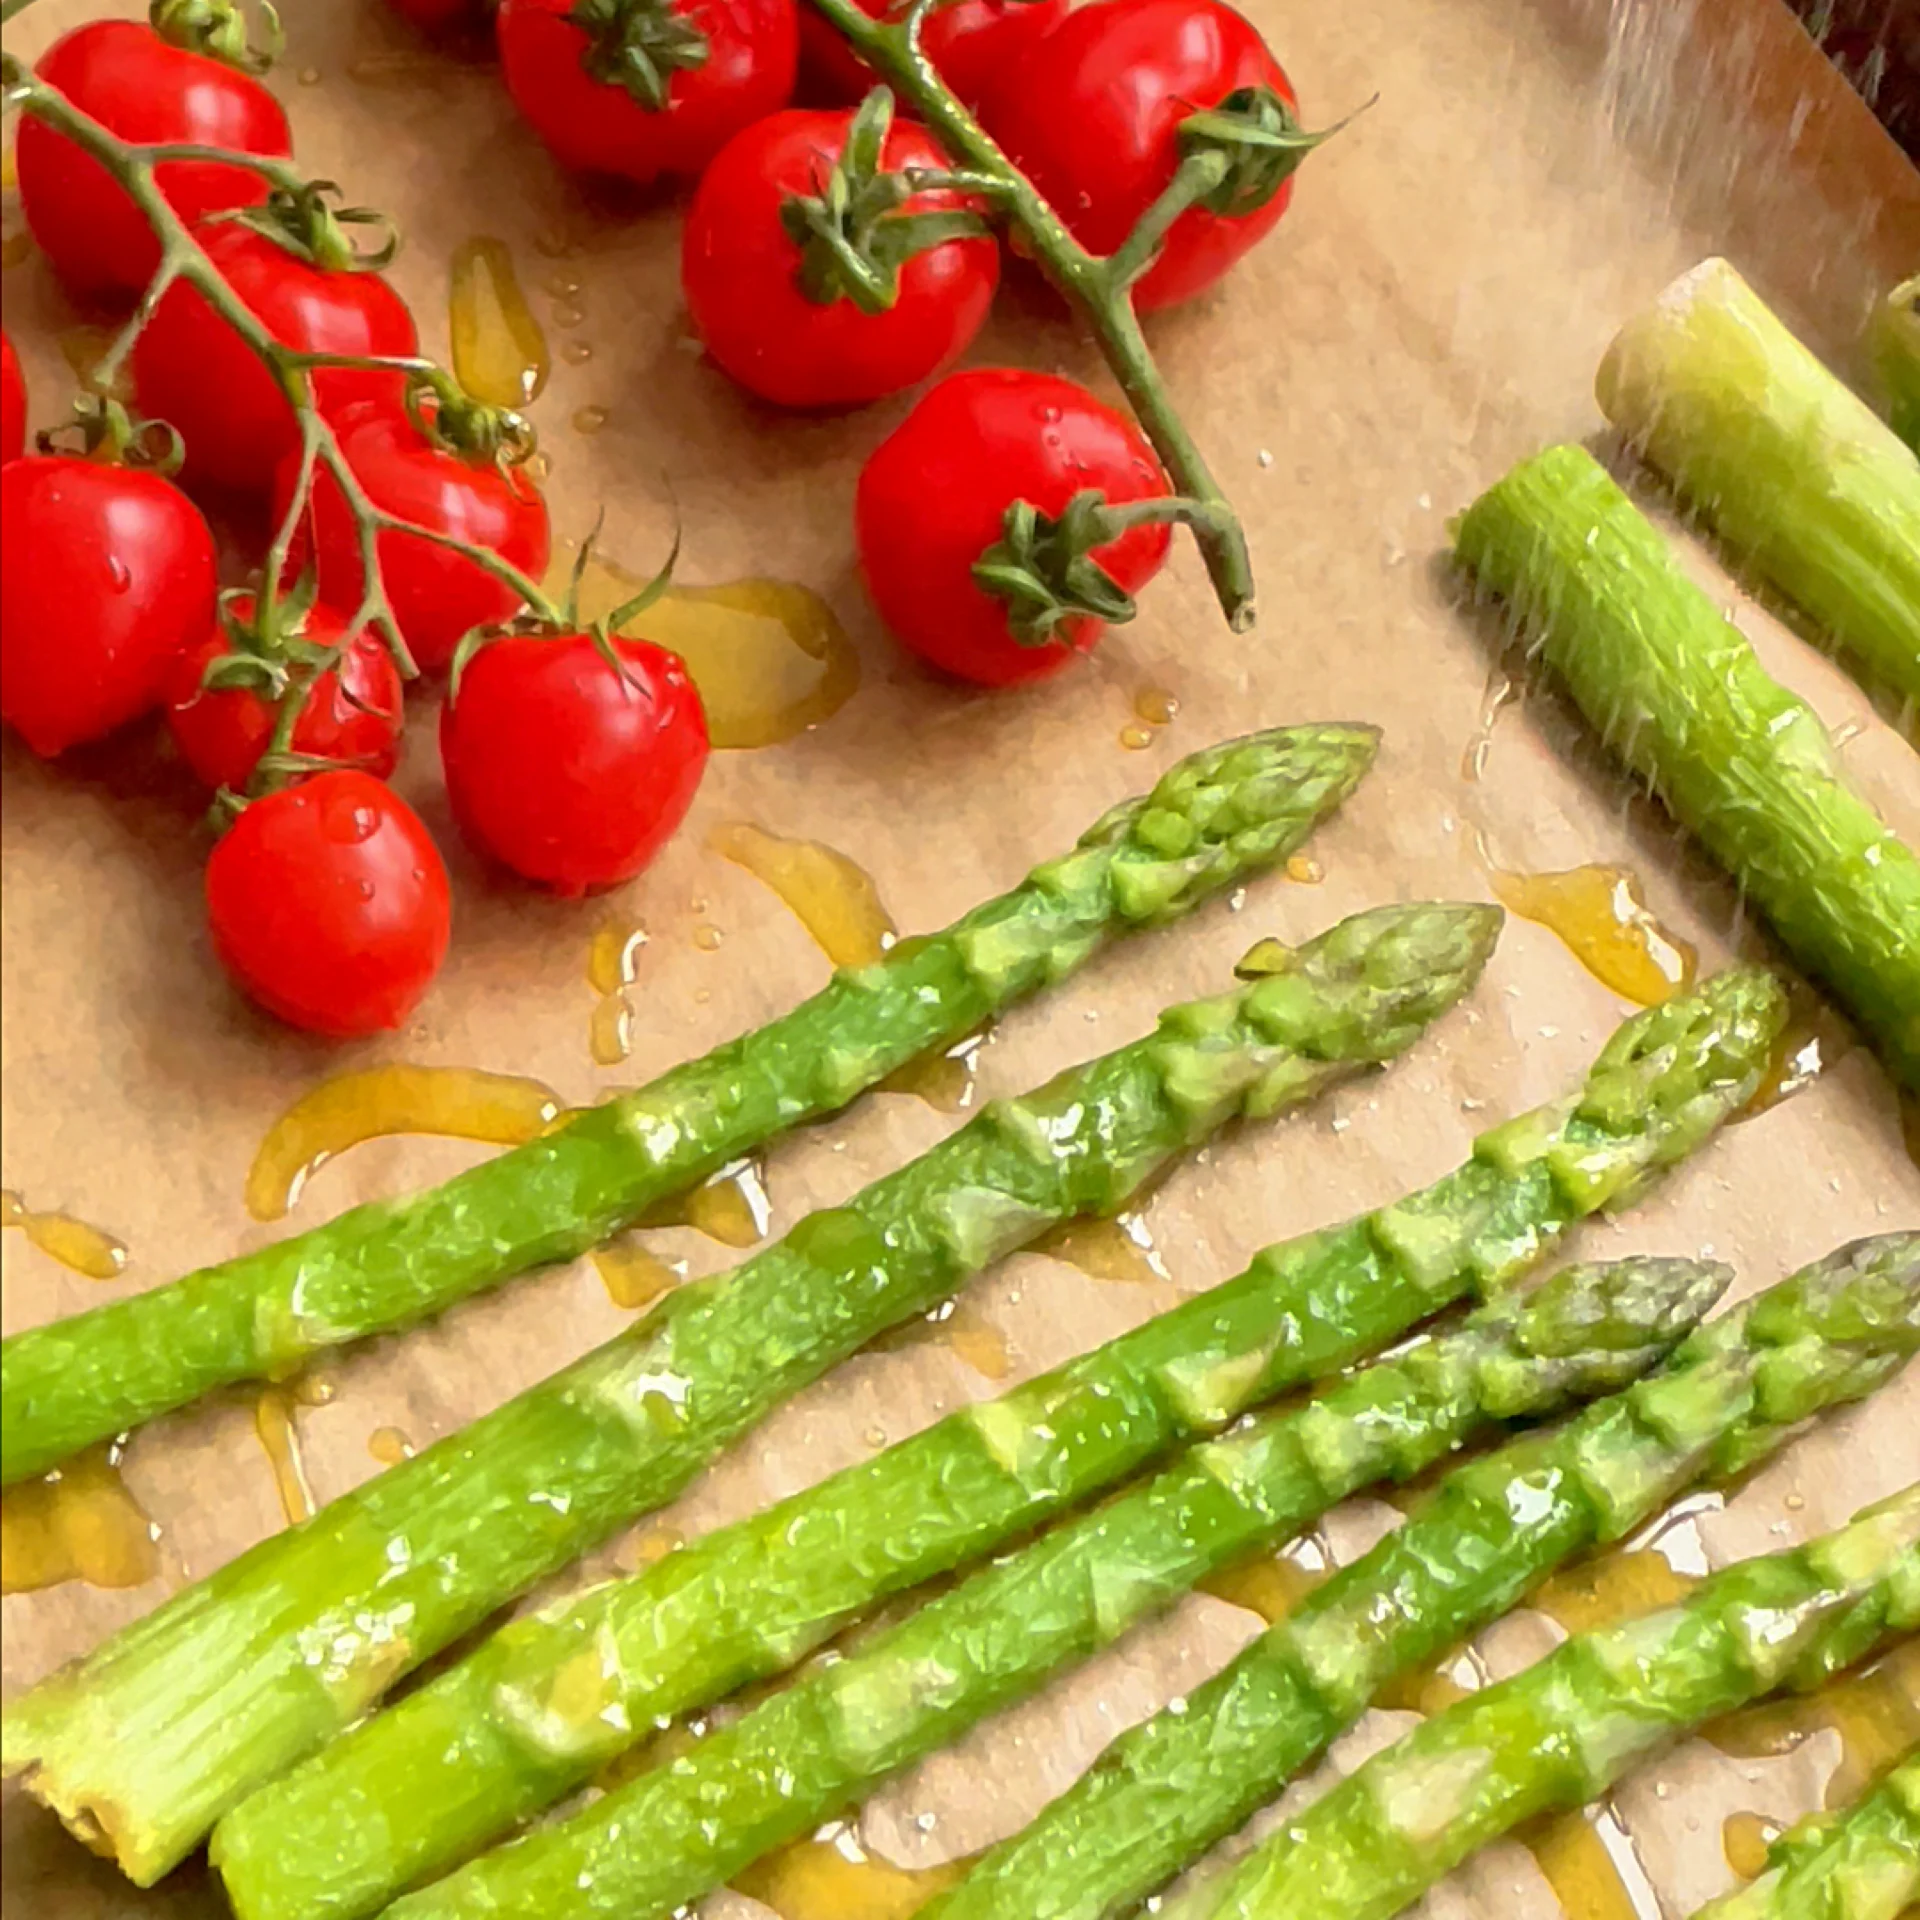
(1797,473)
(1214,819)
(810,1751)
(1675,690)
(1566,1729)
(1862,1865)
(148,1741)
(1896,353)
(1169,1789)
(504,1733)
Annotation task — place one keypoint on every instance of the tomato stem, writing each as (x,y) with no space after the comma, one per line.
(1098,286)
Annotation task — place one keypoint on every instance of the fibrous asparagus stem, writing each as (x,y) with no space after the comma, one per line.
(479,1749)
(1796,472)
(1214,819)
(1566,1729)
(1171,1788)
(678,1831)
(1675,690)
(1863,1864)
(154,1736)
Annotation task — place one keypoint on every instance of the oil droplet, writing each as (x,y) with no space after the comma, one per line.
(1115,1249)
(830,1876)
(1876,1715)
(1814,1039)
(83,1249)
(961,1328)
(1617,1586)
(1500,692)
(1156,706)
(610,1031)
(1599,913)
(1304,870)
(389,1446)
(1134,737)
(499,350)
(708,939)
(1434,1687)
(561,283)
(613,962)
(576,353)
(1271,1586)
(945,1077)
(78,1522)
(1264,959)
(632,1276)
(590,420)
(1746,1839)
(568,313)
(309,76)
(457,1102)
(732,1207)
(1574,1858)
(768,656)
(273,1421)
(831,896)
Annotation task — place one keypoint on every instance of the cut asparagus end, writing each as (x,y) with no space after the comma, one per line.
(1896,354)
(1795,471)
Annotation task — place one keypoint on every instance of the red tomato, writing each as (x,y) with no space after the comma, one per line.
(142,88)
(352,713)
(13,404)
(933,497)
(191,369)
(971,42)
(567,768)
(438,596)
(1092,116)
(740,270)
(109,574)
(328,904)
(751,49)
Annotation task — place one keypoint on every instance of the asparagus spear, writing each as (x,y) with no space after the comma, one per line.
(1676,691)
(1797,473)
(156,1734)
(504,1733)
(1567,1728)
(1172,1787)
(1896,353)
(1862,1865)
(809,1752)
(1214,819)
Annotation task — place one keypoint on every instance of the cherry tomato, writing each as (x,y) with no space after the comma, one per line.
(751,49)
(567,766)
(144,89)
(1092,116)
(740,269)
(13,404)
(351,715)
(438,596)
(970,42)
(328,904)
(191,369)
(933,497)
(109,574)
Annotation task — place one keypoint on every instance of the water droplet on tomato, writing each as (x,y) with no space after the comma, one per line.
(366,889)
(118,573)
(348,821)
(1049,414)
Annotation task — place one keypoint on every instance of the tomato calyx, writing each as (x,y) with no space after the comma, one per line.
(852,234)
(218,28)
(301,220)
(453,420)
(1043,565)
(1257,142)
(113,437)
(638,46)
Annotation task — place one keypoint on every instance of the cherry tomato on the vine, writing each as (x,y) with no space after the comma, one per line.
(13,403)
(351,715)
(1092,116)
(933,498)
(147,90)
(438,595)
(646,87)
(971,43)
(328,904)
(192,370)
(569,759)
(109,574)
(742,271)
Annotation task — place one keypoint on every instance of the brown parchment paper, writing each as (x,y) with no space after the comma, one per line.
(1431,310)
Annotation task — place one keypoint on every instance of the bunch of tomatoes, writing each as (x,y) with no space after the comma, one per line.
(831,257)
